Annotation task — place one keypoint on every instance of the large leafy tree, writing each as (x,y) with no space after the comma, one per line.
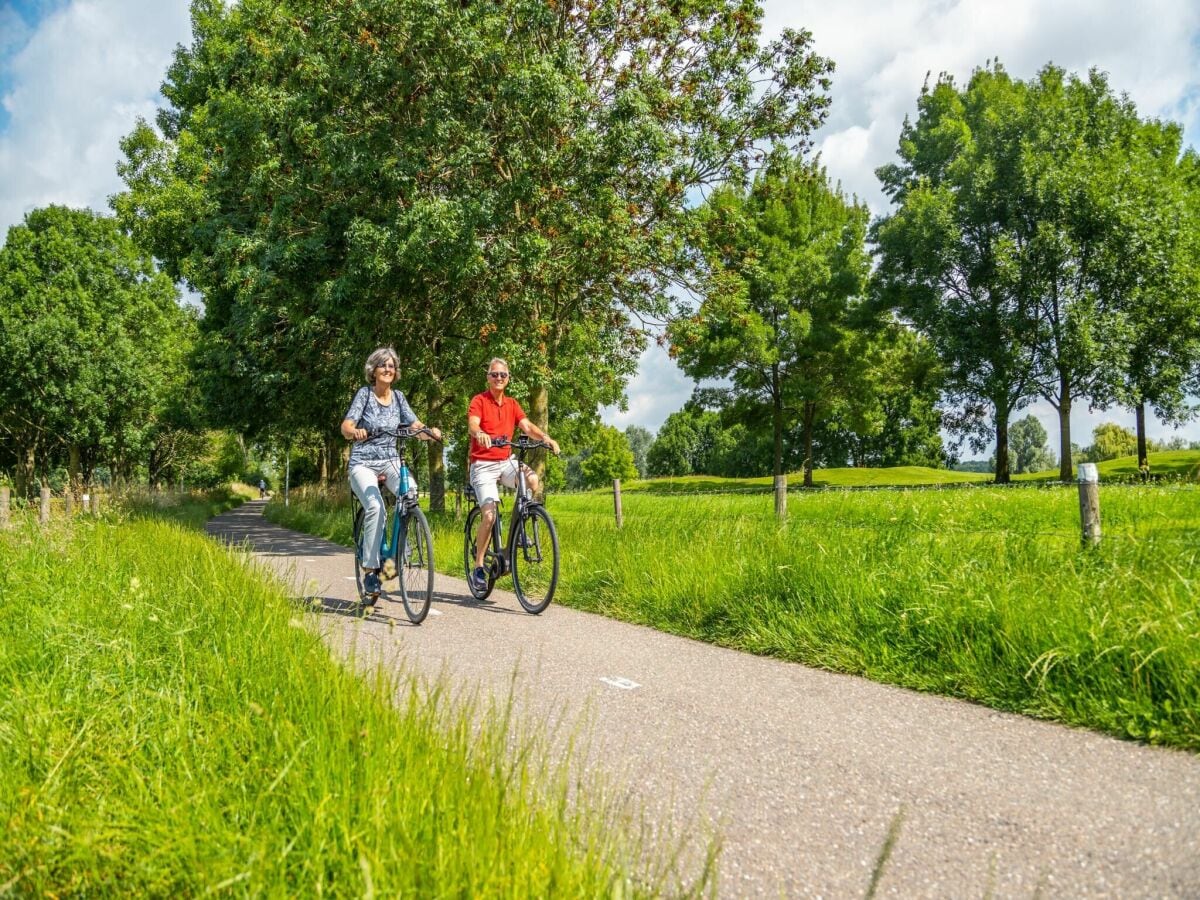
(1028,451)
(460,179)
(949,252)
(787,262)
(91,341)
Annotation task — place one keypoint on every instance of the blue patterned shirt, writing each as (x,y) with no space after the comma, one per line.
(367,412)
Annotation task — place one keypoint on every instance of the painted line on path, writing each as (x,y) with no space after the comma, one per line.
(618,682)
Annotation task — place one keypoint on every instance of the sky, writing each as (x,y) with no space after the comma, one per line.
(76,74)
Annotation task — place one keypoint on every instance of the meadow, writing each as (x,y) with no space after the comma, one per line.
(982,593)
(173,725)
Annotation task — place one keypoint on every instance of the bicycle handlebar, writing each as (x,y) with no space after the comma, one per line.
(403,433)
(521,443)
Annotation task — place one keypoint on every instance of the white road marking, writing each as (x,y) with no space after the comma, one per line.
(435,612)
(349,577)
(618,682)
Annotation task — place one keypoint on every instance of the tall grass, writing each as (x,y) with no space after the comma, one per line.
(983,593)
(171,725)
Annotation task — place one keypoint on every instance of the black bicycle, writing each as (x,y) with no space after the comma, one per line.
(531,553)
(405,544)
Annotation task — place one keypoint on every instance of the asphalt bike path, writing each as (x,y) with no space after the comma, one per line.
(806,777)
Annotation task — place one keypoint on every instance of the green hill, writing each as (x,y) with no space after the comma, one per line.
(1172,465)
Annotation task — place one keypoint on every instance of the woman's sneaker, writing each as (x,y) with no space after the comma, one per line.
(372,585)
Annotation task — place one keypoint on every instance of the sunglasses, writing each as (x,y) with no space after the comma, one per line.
(386,366)
(497,374)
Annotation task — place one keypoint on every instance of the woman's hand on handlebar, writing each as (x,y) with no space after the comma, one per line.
(429,432)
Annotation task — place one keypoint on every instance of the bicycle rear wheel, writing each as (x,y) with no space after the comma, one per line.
(533,549)
(415,560)
(469,555)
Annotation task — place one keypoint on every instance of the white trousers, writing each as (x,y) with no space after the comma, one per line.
(364,481)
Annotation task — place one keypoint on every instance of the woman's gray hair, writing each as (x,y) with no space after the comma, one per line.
(497,359)
(377,359)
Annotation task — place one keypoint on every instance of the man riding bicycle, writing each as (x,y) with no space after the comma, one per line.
(492,415)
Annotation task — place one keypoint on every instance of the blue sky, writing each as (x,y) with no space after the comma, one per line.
(75,75)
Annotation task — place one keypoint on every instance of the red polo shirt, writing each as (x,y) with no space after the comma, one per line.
(495,419)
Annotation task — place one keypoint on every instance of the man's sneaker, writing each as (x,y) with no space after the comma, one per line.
(479,580)
(371,584)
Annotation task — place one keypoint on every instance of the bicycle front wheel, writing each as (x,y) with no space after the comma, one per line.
(359,520)
(415,561)
(534,554)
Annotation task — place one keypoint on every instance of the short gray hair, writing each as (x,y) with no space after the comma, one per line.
(377,359)
(497,359)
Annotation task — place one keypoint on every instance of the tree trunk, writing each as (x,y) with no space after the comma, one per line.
(539,415)
(1066,468)
(334,446)
(437,464)
(73,472)
(1140,409)
(810,412)
(26,465)
(1003,476)
(777,426)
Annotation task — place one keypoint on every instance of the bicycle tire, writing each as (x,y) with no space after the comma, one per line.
(533,552)
(357,528)
(469,555)
(415,563)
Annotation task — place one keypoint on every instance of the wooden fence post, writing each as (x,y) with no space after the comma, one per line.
(86,502)
(617,502)
(1089,504)
(781,497)
(5,499)
(96,503)
(69,501)
(458,505)
(44,512)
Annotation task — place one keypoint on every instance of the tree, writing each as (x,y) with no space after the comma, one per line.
(787,259)
(610,458)
(1110,441)
(91,340)
(639,439)
(948,253)
(1058,216)
(488,178)
(1027,444)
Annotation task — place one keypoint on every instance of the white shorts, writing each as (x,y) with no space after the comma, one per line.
(485,475)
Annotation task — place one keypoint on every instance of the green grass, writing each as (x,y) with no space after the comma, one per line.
(172,725)
(822,478)
(983,594)
(1168,465)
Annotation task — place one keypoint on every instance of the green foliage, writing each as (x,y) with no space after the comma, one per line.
(1028,451)
(1045,240)
(785,259)
(92,344)
(462,179)
(1110,441)
(639,439)
(611,458)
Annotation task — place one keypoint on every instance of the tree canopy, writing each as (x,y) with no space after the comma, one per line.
(461,180)
(92,344)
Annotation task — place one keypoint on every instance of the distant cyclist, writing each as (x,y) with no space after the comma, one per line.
(262,489)
(491,415)
(377,408)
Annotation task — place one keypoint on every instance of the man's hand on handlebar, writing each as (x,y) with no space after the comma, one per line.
(484,440)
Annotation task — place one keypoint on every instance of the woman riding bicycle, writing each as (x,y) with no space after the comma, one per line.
(374,416)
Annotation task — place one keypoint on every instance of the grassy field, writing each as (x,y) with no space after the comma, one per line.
(172,726)
(983,593)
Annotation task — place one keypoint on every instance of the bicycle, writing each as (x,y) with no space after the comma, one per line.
(407,545)
(531,532)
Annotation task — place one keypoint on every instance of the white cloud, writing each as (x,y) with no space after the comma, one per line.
(76,86)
